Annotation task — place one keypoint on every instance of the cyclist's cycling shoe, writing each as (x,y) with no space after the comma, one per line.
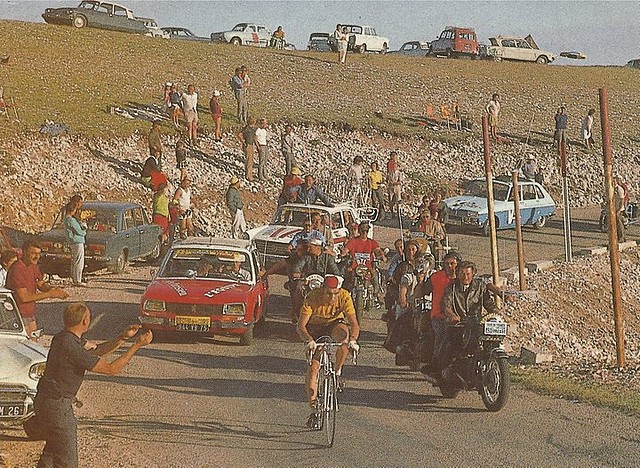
(313,422)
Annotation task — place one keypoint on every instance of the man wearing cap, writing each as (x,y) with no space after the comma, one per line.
(216,114)
(288,147)
(235,205)
(530,168)
(308,193)
(235,269)
(323,314)
(239,87)
(291,180)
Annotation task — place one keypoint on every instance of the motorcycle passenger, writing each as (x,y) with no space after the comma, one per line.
(323,314)
(436,285)
(434,231)
(364,250)
(308,232)
(404,254)
(464,298)
(314,262)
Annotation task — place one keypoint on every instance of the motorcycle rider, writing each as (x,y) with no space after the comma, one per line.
(369,247)
(323,314)
(434,232)
(315,261)
(464,298)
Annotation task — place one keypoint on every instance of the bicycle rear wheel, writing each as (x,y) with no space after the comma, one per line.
(331,406)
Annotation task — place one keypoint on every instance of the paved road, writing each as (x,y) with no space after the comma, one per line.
(210,402)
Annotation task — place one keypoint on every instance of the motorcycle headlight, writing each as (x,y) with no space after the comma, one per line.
(233,309)
(362,270)
(155,306)
(37,370)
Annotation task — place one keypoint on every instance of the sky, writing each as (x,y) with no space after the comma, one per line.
(606,31)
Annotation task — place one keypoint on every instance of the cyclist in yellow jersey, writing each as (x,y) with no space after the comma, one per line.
(325,312)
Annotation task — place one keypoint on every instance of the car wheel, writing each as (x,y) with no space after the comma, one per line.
(236,41)
(540,223)
(247,337)
(362,49)
(79,22)
(121,263)
(542,60)
(155,253)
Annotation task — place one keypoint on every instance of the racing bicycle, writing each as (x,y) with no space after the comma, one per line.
(327,399)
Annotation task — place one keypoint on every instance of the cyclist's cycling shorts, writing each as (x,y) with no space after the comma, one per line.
(323,329)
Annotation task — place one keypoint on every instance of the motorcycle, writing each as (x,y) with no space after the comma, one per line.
(481,363)
(629,215)
(362,291)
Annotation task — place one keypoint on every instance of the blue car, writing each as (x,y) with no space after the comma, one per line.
(117,232)
(470,210)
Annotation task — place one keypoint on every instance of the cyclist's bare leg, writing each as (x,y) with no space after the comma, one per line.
(311,382)
(340,333)
(189,225)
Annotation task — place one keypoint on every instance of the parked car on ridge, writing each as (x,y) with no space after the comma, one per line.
(516,48)
(362,39)
(413,49)
(456,42)
(633,63)
(319,41)
(244,34)
(23,363)
(154,29)
(184,34)
(96,14)
(117,232)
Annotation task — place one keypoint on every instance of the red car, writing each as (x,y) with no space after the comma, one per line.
(208,286)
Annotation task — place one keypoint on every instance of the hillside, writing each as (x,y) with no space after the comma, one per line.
(75,76)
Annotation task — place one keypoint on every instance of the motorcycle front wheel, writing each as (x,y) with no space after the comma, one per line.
(496,382)
(358,303)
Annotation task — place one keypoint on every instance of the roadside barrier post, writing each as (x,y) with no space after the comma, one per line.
(495,271)
(566,216)
(614,257)
(516,208)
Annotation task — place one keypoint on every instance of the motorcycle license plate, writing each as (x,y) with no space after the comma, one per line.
(495,328)
(11,411)
(196,324)
(362,257)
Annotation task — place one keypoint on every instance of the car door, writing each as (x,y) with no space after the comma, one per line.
(146,231)
(120,19)
(99,17)
(130,234)
(525,52)
(262,283)
(509,50)
(529,204)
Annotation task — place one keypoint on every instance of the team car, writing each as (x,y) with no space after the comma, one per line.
(183,34)
(96,14)
(272,241)
(209,286)
(23,362)
(522,49)
(117,232)
(470,210)
(244,34)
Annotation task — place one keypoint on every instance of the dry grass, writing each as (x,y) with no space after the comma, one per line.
(72,76)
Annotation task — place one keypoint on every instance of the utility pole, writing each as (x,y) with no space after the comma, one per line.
(495,271)
(566,217)
(516,207)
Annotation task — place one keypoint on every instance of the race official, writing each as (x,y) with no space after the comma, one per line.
(67,363)
(325,312)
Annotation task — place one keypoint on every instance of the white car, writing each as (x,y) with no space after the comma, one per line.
(23,362)
(154,29)
(362,39)
(272,241)
(244,34)
(522,49)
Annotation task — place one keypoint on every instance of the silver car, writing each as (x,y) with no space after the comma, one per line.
(23,362)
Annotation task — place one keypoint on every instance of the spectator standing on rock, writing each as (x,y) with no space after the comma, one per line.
(67,362)
(530,168)
(342,41)
(216,114)
(190,106)
(155,143)
(166,96)
(262,145)
(175,101)
(160,210)
(587,128)
(239,88)
(493,111)
(26,281)
(248,139)
(182,198)
(376,179)
(181,158)
(288,148)
(290,181)
(395,178)
(235,206)
(8,258)
(151,177)
(560,135)
(75,233)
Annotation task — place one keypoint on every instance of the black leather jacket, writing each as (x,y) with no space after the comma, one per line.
(469,302)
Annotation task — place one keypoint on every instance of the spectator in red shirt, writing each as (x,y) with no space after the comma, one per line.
(151,175)
(26,282)
(291,180)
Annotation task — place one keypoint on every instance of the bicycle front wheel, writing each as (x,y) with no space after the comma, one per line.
(331,406)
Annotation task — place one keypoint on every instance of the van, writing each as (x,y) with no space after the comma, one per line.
(456,42)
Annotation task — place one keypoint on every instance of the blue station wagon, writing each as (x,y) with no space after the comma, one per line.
(470,210)
(117,232)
